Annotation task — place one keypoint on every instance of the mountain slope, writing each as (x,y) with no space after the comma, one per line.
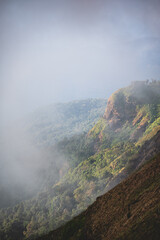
(131,210)
(27,166)
(51,124)
(123,139)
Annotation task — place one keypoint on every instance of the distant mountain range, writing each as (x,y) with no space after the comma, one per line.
(52,123)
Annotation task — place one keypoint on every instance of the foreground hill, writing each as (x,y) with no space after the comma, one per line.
(131,210)
(124,138)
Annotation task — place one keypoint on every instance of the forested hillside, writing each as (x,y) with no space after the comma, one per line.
(52,123)
(131,210)
(124,138)
(29,161)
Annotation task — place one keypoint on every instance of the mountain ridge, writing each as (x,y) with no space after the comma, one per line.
(122,140)
(54,122)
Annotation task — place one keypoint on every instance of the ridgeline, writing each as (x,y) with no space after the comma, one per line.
(120,142)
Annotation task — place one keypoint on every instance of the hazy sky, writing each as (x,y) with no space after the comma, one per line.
(60,50)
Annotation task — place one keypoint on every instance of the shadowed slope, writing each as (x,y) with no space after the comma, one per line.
(131,210)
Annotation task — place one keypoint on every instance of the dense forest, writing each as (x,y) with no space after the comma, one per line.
(128,211)
(123,139)
(52,123)
(30,161)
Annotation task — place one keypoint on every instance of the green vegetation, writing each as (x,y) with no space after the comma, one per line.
(39,133)
(79,187)
(55,122)
(75,149)
(97,161)
(129,211)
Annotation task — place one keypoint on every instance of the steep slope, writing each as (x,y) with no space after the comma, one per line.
(131,210)
(125,137)
(131,114)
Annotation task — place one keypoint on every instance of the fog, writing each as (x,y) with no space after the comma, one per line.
(55,51)
(58,51)
(25,168)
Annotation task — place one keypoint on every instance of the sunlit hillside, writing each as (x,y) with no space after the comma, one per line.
(121,141)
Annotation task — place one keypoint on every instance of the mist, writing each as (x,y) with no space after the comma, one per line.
(26,169)
(58,51)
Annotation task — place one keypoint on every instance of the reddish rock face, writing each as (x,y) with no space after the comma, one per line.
(119,109)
